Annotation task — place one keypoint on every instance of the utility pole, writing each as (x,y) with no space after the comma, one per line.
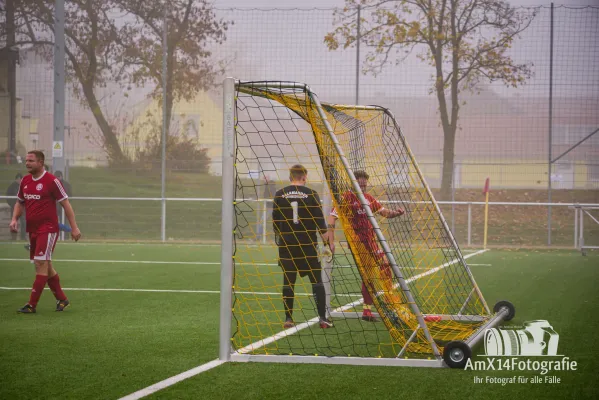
(12,55)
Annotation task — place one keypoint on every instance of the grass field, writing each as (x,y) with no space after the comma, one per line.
(134,323)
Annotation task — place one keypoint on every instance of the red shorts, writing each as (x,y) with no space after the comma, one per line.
(42,245)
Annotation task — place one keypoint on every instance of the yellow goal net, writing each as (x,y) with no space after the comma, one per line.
(393,248)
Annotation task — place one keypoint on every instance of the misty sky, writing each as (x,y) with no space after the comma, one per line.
(281,44)
(336,3)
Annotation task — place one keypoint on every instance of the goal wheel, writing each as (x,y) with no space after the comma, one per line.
(511,309)
(456,354)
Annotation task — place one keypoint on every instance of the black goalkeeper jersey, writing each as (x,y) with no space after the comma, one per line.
(297,216)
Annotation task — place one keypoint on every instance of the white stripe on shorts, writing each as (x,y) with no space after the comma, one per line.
(52,237)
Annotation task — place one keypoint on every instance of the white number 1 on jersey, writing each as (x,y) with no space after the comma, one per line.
(294,206)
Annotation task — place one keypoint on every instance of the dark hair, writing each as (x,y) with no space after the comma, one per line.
(39,155)
(361,174)
(297,172)
(18,176)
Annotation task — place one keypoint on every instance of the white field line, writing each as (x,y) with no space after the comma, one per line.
(173,291)
(205,367)
(172,380)
(295,329)
(142,262)
(79,244)
(447,264)
(186,263)
(155,244)
(203,263)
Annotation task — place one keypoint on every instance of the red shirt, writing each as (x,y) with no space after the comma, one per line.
(357,215)
(40,196)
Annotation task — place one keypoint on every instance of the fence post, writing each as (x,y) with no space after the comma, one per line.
(164,126)
(62,235)
(550,139)
(469,224)
(581,228)
(163,219)
(576,226)
(453,198)
(264,215)
(58,155)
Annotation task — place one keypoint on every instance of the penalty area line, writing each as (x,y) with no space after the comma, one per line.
(261,343)
(142,262)
(173,291)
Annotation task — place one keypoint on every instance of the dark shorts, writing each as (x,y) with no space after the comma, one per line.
(299,258)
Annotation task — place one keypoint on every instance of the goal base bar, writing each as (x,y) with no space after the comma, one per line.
(444,317)
(390,362)
(499,317)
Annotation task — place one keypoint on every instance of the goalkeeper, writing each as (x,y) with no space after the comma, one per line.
(297,218)
(361,225)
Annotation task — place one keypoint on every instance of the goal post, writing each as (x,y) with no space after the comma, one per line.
(228,199)
(428,308)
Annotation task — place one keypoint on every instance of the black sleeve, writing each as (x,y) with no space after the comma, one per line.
(317,213)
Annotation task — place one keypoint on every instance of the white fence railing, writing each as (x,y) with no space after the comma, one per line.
(580,212)
(199,218)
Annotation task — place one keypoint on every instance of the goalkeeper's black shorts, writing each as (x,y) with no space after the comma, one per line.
(300,258)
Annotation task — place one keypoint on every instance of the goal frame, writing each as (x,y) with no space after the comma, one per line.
(226,351)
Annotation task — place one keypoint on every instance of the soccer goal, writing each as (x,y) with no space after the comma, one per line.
(427,309)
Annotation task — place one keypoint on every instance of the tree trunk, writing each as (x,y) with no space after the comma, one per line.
(450,122)
(448,142)
(111,143)
(448,159)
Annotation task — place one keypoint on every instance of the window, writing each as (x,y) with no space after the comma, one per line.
(188,125)
(593,172)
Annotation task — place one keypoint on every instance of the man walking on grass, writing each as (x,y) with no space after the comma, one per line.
(38,194)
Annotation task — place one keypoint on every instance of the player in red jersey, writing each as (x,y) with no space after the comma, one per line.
(363,228)
(38,195)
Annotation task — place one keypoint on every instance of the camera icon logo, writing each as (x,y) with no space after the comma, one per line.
(538,338)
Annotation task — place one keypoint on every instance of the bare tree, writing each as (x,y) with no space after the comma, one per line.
(89,50)
(466,42)
(120,41)
(191,26)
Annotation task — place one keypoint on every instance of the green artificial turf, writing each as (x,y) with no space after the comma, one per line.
(111,343)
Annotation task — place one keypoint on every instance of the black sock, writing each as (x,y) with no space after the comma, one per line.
(288,296)
(320,298)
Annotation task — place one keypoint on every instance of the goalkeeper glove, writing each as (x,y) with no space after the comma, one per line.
(326,254)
